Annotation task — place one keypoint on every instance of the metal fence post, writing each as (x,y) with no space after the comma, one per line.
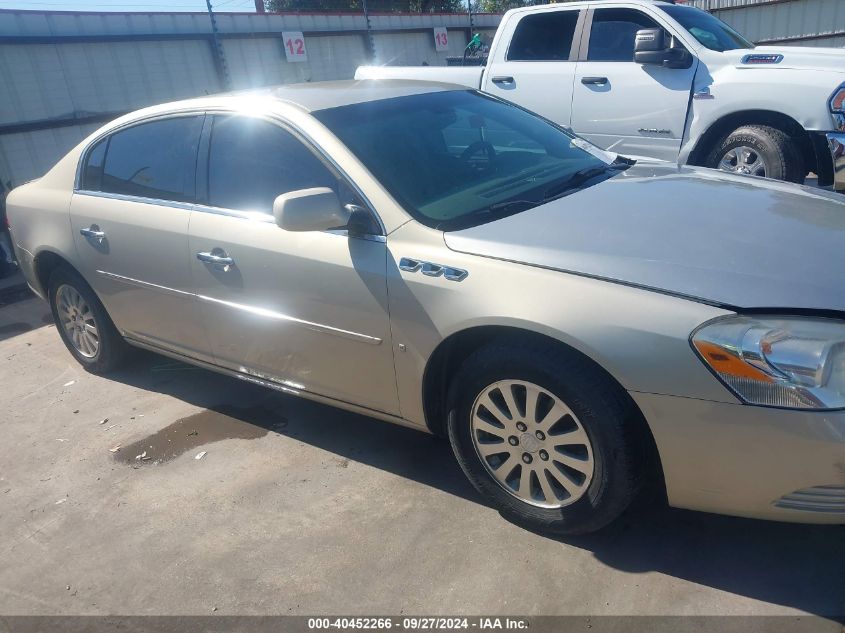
(219,56)
(371,44)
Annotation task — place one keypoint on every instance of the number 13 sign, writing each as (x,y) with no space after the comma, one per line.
(441,39)
(294,43)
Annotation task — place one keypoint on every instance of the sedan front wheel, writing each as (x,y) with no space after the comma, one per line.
(546,437)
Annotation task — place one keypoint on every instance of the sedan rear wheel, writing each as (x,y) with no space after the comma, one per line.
(83,324)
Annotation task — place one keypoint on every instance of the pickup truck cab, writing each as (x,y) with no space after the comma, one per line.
(652,78)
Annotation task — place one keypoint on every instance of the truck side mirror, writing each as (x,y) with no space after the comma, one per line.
(650,48)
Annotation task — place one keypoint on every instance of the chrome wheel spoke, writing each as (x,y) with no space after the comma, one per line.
(510,402)
(565,482)
(525,482)
(546,487)
(488,449)
(581,465)
(494,410)
(577,437)
(531,443)
(532,394)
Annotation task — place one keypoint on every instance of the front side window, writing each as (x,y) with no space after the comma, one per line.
(709,31)
(544,36)
(252,161)
(151,160)
(613,33)
(455,159)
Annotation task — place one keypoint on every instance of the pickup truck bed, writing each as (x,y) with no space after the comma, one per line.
(469,76)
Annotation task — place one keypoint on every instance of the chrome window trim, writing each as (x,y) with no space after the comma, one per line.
(187,206)
(270,117)
(83,156)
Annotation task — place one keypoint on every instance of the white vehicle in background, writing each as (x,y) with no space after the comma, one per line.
(652,78)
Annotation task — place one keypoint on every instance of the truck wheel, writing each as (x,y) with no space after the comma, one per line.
(759,150)
(545,437)
(82,322)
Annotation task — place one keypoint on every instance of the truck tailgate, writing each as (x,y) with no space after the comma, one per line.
(462,75)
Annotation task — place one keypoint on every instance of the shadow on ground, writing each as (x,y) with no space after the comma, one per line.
(796,566)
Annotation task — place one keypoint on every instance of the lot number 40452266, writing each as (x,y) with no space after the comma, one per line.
(294,43)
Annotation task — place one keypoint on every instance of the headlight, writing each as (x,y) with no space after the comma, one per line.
(791,362)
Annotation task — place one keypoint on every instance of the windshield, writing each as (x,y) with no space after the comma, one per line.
(709,31)
(456,159)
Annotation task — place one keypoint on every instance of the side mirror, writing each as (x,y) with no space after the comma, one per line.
(650,48)
(316,209)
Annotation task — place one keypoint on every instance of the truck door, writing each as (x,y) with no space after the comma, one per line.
(623,106)
(533,62)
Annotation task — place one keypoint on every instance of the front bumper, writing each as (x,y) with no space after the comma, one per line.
(750,461)
(836,145)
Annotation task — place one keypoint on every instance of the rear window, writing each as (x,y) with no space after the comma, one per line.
(544,36)
(151,160)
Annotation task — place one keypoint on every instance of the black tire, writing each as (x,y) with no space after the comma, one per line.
(112,348)
(780,153)
(603,410)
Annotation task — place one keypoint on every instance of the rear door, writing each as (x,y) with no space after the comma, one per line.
(621,105)
(534,62)
(130,216)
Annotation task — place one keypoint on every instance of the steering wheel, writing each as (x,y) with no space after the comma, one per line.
(476,147)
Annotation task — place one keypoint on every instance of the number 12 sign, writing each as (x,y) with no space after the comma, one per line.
(294,43)
(441,39)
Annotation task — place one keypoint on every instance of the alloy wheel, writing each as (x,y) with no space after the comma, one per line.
(743,160)
(532,443)
(77,319)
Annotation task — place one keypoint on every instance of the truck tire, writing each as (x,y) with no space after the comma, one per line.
(759,150)
(545,437)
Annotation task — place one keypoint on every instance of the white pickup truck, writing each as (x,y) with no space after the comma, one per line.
(653,78)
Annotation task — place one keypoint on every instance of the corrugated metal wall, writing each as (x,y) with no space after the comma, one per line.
(62,74)
(789,22)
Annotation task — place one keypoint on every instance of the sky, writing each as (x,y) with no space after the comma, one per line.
(128,5)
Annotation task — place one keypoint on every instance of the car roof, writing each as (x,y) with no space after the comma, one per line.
(321,95)
(331,94)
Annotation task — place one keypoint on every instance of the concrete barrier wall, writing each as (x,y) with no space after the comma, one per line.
(63,74)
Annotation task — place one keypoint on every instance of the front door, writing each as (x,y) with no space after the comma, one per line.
(623,106)
(305,310)
(130,216)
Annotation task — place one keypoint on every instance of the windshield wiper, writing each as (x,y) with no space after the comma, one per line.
(567,185)
(578,178)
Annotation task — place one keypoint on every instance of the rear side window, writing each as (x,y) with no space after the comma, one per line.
(613,33)
(251,162)
(151,160)
(544,36)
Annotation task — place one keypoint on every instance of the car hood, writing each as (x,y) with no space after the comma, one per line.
(800,57)
(735,241)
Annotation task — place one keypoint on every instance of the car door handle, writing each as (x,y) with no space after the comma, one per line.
(93,233)
(503,80)
(219,261)
(595,81)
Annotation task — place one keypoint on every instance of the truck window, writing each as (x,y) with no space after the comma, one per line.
(709,31)
(545,36)
(613,32)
